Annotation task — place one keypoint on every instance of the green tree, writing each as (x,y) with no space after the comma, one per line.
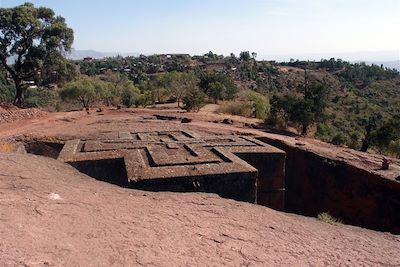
(245,56)
(216,91)
(381,135)
(282,109)
(115,85)
(56,69)
(85,90)
(394,148)
(147,98)
(178,83)
(370,130)
(7,89)
(193,100)
(30,35)
(41,97)
(230,88)
(182,84)
(260,106)
(311,107)
(130,95)
(161,87)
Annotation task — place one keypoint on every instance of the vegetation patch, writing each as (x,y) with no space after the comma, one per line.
(326,217)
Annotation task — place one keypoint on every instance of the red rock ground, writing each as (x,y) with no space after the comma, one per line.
(80,124)
(50,214)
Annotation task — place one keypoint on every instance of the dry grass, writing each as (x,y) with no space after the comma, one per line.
(326,217)
(239,108)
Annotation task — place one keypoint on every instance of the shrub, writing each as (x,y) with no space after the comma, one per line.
(81,90)
(339,139)
(326,217)
(216,91)
(178,84)
(193,100)
(260,106)
(130,96)
(325,132)
(145,99)
(218,86)
(394,148)
(7,93)
(354,142)
(40,97)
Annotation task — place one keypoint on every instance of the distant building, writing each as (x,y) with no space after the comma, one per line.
(166,57)
(186,56)
(88,59)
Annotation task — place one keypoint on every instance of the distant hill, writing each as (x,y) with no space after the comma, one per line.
(389,59)
(80,54)
(388,64)
(386,58)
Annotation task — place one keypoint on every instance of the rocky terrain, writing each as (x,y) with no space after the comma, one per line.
(52,215)
(11,113)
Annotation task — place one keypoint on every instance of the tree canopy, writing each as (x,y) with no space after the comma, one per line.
(218,86)
(29,36)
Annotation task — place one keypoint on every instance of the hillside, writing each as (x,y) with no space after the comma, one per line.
(350,103)
(81,54)
(358,96)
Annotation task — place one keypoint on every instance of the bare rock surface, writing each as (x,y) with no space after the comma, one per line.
(51,215)
(78,124)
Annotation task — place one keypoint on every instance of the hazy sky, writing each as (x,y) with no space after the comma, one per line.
(223,26)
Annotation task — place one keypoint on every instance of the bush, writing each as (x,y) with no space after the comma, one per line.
(7,93)
(325,132)
(193,100)
(178,84)
(339,139)
(130,96)
(145,99)
(260,106)
(81,90)
(355,139)
(40,97)
(326,217)
(272,120)
(394,148)
(216,91)
(218,86)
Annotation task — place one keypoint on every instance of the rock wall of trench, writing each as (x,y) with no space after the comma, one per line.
(316,184)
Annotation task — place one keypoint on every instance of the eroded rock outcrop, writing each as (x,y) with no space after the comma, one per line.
(357,195)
